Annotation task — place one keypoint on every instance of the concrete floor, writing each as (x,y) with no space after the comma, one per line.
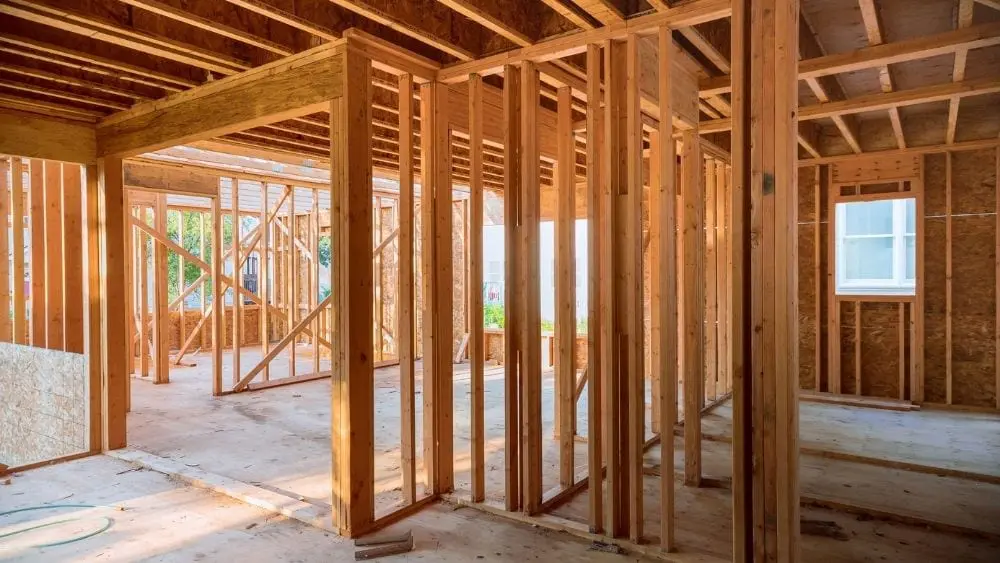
(279,439)
(167,521)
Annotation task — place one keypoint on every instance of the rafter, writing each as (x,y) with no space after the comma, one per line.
(78,98)
(604,11)
(570,11)
(287,18)
(483,18)
(362,8)
(975,37)
(170,12)
(70,81)
(965,8)
(40,50)
(93,28)
(830,89)
(873,27)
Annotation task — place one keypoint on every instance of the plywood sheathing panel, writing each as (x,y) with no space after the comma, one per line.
(848,342)
(807,271)
(974,278)
(880,350)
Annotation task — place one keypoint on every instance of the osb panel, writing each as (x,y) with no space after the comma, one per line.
(848,341)
(44,399)
(807,194)
(934,309)
(824,350)
(974,182)
(880,350)
(973,312)
(807,307)
(935,185)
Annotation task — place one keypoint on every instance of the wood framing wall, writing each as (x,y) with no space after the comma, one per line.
(939,346)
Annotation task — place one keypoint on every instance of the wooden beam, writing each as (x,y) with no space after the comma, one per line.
(965,10)
(353,392)
(604,11)
(34,136)
(765,406)
(297,85)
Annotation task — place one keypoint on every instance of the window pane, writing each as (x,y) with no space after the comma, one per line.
(868,218)
(911,257)
(868,258)
(911,216)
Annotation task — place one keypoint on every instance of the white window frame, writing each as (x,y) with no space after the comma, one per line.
(898,284)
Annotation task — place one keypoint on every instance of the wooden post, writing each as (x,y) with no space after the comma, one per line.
(263,279)
(693,194)
(594,256)
(711,299)
(721,257)
(565,293)
(530,298)
(94,329)
(666,288)
(180,275)
(161,317)
(474,288)
(407,319)
(632,325)
(112,214)
(435,204)
(39,329)
(203,254)
(17,242)
(237,281)
(353,392)
(765,406)
(53,255)
(313,275)
(5,194)
(615,400)
(218,298)
(73,253)
(947,279)
(292,281)
(512,314)
(143,296)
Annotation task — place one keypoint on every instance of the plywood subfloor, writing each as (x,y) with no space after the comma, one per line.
(170,522)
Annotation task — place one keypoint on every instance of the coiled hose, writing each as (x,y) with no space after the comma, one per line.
(108,522)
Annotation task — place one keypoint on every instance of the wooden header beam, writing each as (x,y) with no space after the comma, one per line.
(36,136)
(291,87)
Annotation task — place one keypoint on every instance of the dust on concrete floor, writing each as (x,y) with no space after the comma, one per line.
(168,521)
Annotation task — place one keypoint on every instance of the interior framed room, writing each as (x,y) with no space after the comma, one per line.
(700,280)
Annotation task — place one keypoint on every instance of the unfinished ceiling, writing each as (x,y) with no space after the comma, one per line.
(86,59)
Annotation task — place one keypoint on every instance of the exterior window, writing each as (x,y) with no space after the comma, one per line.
(876,247)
